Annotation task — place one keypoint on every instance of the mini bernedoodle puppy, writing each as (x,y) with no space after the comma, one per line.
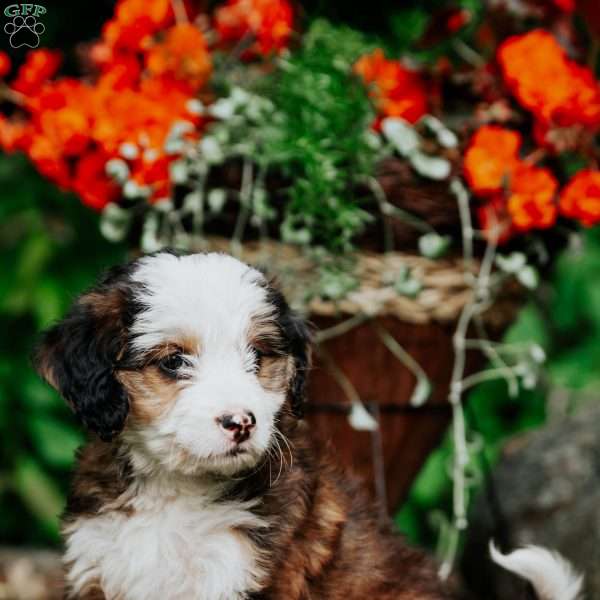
(199,480)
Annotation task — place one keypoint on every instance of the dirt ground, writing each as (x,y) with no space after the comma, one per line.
(30,575)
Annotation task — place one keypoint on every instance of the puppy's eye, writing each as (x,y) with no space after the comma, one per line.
(172,364)
(258,356)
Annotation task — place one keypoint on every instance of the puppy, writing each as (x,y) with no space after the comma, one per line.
(199,480)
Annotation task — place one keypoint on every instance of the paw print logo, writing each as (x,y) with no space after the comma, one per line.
(24,31)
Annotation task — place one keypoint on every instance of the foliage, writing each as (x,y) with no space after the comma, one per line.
(142,127)
(321,140)
(564,319)
(51,250)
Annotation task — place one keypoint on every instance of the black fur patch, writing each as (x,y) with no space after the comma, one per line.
(79,354)
(298,338)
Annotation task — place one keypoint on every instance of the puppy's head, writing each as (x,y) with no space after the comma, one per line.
(190,360)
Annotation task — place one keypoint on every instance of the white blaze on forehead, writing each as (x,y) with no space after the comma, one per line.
(210,296)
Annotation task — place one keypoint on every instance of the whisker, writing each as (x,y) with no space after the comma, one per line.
(281,459)
(289,444)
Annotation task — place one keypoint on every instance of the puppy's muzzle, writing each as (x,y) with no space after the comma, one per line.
(238,425)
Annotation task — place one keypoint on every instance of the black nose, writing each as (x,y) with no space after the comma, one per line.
(238,425)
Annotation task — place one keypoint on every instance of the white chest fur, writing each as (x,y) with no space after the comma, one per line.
(179,547)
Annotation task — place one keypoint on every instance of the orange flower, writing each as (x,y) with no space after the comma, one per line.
(134,22)
(531,202)
(580,198)
(182,54)
(544,80)
(74,126)
(396,90)
(48,160)
(521,196)
(66,128)
(270,22)
(14,135)
(130,11)
(491,158)
(39,66)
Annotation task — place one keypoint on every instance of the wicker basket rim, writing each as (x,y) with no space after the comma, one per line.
(445,288)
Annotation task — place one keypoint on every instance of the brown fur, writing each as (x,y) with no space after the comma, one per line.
(275,372)
(324,541)
(150,392)
(263,333)
(92,591)
(102,477)
(276,369)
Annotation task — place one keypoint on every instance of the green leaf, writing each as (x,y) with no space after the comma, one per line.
(433,245)
(401,135)
(432,167)
(55,441)
(38,492)
(529,277)
(408,26)
(409,287)
(38,395)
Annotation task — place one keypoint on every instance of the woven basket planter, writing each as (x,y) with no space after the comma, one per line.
(353,356)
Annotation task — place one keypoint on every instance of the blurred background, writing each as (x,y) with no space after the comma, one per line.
(52,249)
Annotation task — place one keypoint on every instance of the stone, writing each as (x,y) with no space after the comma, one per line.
(545,491)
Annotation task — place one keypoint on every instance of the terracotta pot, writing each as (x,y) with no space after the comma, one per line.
(407,433)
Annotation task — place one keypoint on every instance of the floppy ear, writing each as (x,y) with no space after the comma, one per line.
(298,337)
(77,357)
(300,346)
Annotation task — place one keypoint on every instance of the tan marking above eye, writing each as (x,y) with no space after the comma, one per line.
(183,345)
(150,392)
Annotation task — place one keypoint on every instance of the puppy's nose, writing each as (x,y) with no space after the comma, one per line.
(237,425)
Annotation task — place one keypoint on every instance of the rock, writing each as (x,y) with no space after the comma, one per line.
(545,491)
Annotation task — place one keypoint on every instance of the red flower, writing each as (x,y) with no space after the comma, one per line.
(580,198)
(39,66)
(5,64)
(494,220)
(396,90)
(565,5)
(49,161)
(458,19)
(270,22)
(91,182)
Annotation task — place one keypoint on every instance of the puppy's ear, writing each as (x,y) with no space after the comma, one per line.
(77,356)
(300,345)
(298,336)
